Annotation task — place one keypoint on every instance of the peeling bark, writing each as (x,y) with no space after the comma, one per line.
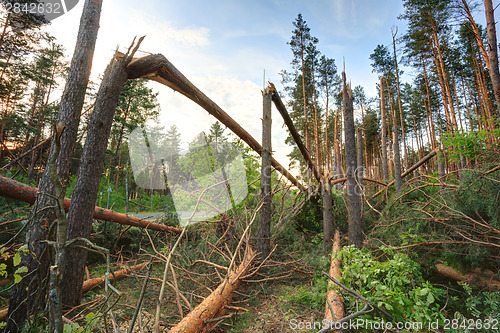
(214,305)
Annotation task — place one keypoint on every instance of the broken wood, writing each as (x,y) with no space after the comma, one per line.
(293,132)
(99,281)
(93,283)
(411,169)
(215,304)
(478,278)
(334,309)
(157,68)
(10,188)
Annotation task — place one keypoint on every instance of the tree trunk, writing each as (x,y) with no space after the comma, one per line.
(23,294)
(360,170)
(383,116)
(333,296)
(395,145)
(214,305)
(353,188)
(264,235)
(401,117)
(15,190)
(293,132)
(89,174)
(493,51)
(157,68)
(327,213)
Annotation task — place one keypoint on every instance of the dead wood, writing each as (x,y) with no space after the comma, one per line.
(293,132)
(99,281)
(214,305)
(334,305)
(93,283)
(483,279)
(157,68)
(411,169)
(12,189)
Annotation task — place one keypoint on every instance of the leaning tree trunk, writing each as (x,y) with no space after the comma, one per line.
(493,51)
(264,235)
(89,175)
(23,294)
(353,189)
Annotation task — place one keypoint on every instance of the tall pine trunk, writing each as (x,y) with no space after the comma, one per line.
(24,300)
(353,188)
(383,116)
(89,174)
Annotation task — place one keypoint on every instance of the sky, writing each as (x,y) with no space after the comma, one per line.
(224,47)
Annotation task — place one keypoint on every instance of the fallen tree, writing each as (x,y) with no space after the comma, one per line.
(157,68)
(12,189)
(334,309)
(478,278)
(93,283)
(411,169)
(201,319)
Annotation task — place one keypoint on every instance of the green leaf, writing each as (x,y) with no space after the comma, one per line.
(17,259)
(430,298)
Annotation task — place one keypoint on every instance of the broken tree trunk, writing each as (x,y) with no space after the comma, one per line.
(353,188)
(264,234)
(214,305)
(157,68)
(99,281)
(334,305)
(411,169)
(293,132)
(482,279)
(12,189)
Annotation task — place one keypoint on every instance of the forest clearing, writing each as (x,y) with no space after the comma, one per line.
(383,216)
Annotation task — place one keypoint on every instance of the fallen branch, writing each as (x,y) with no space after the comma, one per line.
(214,305)
(334,309)
(99,281)
(13,189)
(478,278)
(14,161)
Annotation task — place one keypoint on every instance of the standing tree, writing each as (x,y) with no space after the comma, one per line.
(23,300)
(353,188)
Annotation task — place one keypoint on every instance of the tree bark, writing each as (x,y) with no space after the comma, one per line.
(359,153)
(90,172)
(12,189)
(493,51)
(327,213)
(353,188)
(264,234)
(23,294)
(293,131)
(395,146)
(214,305)
(333,296)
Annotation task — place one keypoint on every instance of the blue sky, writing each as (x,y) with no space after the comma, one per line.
(224,46)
